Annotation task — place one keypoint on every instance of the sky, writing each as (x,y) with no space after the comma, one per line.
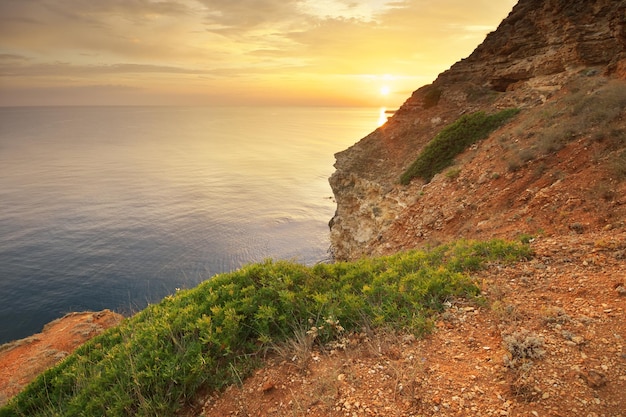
(233,52)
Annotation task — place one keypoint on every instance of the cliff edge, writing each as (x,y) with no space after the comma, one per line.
(21,361)
(557,168)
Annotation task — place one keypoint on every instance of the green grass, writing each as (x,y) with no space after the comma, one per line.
(440,152)
(215,334)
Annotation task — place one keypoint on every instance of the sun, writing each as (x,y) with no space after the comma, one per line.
(384,90)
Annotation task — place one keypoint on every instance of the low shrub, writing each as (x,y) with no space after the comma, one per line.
(523,345)
(440,152)
(453,174)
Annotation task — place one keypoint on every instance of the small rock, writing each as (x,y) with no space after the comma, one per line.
(268,386)
(593,378)
(577,227)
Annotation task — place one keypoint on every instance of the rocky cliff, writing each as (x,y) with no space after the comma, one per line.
(558,167)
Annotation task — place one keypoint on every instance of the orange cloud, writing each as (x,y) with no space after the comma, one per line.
(274,50)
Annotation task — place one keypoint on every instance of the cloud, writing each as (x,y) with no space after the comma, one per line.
(187,43)
(67,69)
(404,35)
(18,69)
(52,12)
(173,30)
(137,28)
(68,95)
(244,15)
(7,58)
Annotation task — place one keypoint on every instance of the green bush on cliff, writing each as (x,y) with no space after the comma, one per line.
(210,336)
(440,152)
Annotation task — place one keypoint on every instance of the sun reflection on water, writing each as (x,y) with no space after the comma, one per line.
(382,116)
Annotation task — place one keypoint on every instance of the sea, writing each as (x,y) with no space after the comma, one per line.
(118,207)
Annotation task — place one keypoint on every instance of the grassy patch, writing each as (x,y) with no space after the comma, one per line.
(452,140)
(215,334)
(453,173)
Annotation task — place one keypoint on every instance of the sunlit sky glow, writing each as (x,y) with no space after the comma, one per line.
(233,52)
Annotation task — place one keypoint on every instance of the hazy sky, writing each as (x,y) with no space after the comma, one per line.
(197,52)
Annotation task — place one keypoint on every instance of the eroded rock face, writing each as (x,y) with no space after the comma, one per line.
(545,37)
(366,210)
(536,51)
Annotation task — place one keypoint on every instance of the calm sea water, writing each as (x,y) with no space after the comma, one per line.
(116,207)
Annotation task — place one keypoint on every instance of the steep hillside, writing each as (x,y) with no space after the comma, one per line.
(549,338)
(558,167)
